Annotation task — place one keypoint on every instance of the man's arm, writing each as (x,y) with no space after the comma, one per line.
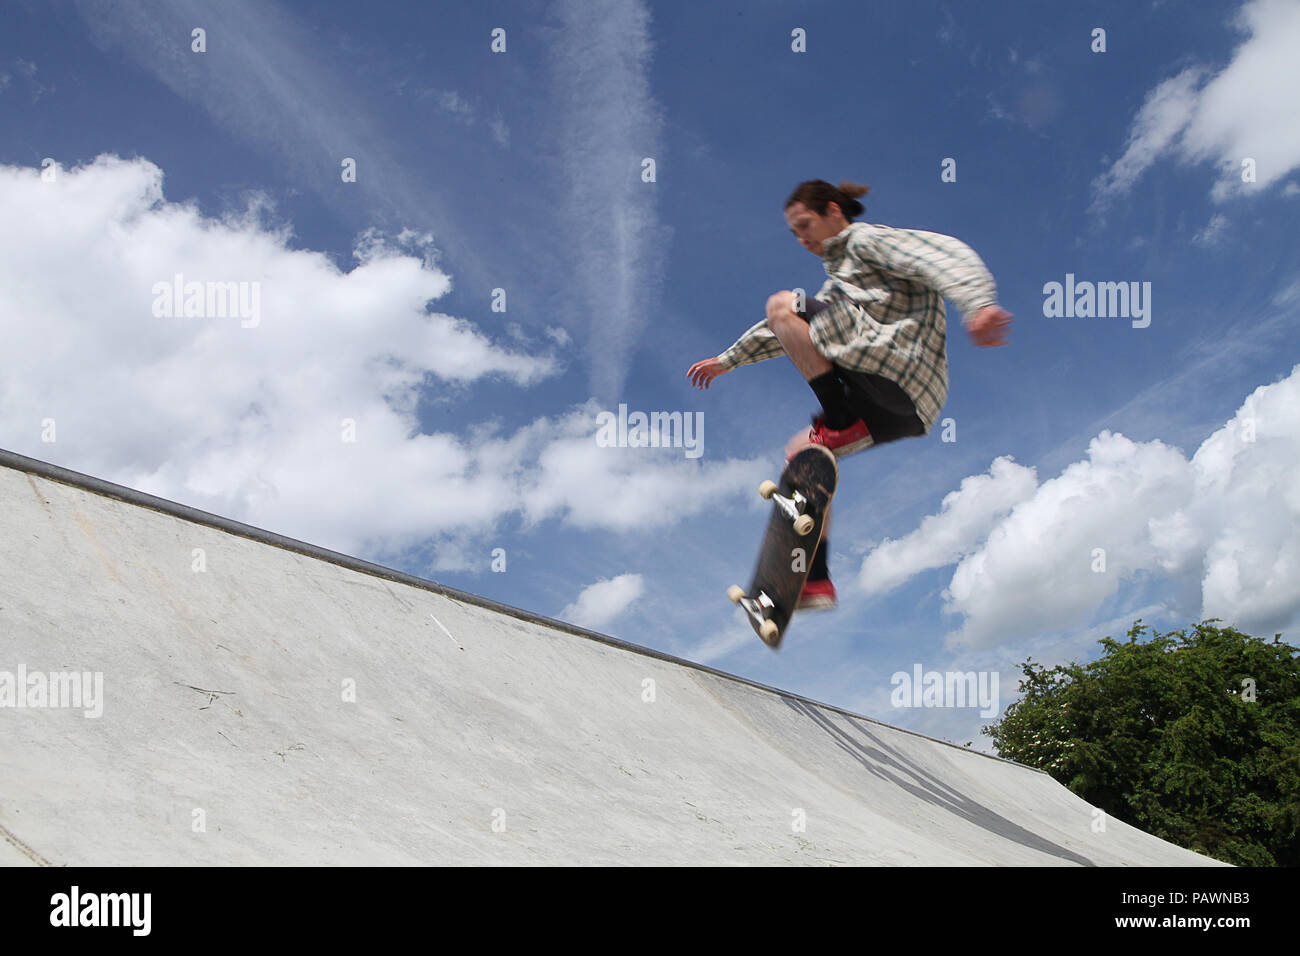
(758,344)
(947,265)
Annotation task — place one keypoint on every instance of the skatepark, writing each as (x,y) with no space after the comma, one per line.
(253,700)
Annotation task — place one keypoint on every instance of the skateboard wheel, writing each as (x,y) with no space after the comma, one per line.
(735,592)
(767,631)
(767,489)
(803,524)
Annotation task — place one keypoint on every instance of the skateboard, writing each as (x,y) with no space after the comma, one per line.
(794,530)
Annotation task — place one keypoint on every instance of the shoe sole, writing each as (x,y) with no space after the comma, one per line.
(852,447)
(816,604)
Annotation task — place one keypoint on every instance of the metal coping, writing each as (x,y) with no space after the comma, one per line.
(66,476)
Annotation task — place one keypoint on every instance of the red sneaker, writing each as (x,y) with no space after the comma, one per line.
(817,596)
(843,441)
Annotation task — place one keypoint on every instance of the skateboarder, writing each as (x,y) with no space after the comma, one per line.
(872,343)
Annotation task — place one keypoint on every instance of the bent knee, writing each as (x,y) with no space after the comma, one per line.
(780,303)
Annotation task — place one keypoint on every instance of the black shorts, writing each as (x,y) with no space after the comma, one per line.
(881,403)
(885,408)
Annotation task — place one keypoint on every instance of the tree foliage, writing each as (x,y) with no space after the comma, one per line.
(1193,737)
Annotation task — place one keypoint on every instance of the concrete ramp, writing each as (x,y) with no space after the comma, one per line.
(267,702)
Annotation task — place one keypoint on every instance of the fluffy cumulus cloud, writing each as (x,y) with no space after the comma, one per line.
(965,518)
(602,602)
(1248,483)
(1245,111)
(296,409)
(1222,527)
(1066,549)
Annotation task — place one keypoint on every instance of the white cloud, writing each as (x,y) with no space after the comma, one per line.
(1223,527)
(626,488)
(1164,115)
(249,421)
(608,122)
(1248,481)
(1214,233)
(966,517)
(1245,111)
(82,261)
(262,81)
(602,602)
(1035,570)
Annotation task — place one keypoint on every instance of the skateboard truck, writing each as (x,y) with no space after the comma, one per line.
(758,609)
(795,508)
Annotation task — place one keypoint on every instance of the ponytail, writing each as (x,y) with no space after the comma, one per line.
(818,194)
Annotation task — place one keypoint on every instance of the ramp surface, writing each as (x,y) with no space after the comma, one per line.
(266,702)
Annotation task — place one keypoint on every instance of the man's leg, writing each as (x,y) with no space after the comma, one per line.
(792,331)
(892,415)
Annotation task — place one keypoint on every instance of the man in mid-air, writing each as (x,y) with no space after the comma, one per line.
(872,344)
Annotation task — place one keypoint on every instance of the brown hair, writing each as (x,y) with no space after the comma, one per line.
(817,194)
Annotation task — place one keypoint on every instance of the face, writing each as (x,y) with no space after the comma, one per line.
(811,229)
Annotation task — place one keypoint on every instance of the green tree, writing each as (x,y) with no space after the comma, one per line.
(1193,737)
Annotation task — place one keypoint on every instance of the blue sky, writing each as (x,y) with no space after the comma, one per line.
(378,404)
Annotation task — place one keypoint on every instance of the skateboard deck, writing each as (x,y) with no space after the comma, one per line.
(794,530)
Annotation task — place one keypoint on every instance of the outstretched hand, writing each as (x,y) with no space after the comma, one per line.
(989,326)
(703,372)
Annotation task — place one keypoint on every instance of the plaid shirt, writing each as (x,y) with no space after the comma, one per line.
(884,291)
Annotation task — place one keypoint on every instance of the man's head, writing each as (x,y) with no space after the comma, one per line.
(816,211)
